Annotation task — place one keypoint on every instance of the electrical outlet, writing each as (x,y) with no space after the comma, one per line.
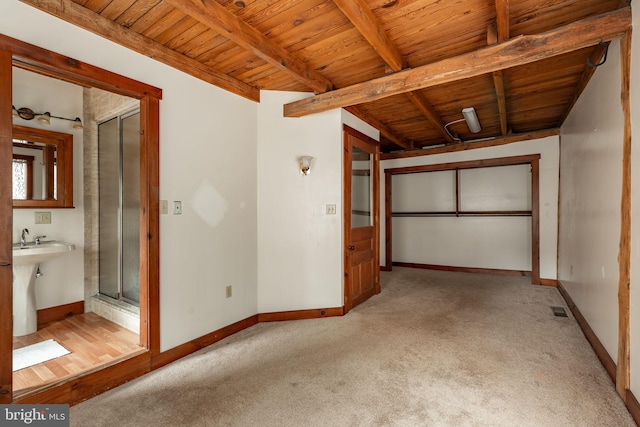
(177,208)
(43,218)
(164,207)
(331,209)
(228,289)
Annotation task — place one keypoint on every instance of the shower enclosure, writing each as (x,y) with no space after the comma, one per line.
(119,207)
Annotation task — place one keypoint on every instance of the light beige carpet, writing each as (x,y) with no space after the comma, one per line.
(433,349)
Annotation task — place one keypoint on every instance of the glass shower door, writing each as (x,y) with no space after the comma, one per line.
(109,207)
(119,207)
(131,208)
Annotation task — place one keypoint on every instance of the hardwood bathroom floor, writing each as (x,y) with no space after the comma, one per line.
(93,341)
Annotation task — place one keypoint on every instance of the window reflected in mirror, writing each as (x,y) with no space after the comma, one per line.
(42,168)
(34,171)
(22,168)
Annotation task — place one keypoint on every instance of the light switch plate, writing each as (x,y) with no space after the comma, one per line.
(43,218)
(164,207)
(177,208)
(331,209)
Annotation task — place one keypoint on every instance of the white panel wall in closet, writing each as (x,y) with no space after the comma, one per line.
(431,233)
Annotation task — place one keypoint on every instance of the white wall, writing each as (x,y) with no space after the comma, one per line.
(590,191)
(207,161)
(300,247)
(41,94)
(454,251)
(590,211)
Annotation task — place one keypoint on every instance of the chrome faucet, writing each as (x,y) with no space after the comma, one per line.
(23,238)
(38,239)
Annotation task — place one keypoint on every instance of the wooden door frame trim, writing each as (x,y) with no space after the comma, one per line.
(375,180)
(6,232)
(623,373)
(23,55)
(531,159)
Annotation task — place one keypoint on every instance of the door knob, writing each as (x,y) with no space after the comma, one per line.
(352,248)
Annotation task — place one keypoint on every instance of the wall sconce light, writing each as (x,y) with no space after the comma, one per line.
(44,118)
(472,122)
(305,164)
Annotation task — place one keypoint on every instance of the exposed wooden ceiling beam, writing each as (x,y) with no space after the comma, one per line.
(358,12)
(221,20)
(430,113)
(517,51)
(363,19)
(498,83)
(383,128)
(502,20)
(84,18)
(472,145)
(501,34)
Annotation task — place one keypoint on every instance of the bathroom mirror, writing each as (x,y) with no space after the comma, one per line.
(42,168)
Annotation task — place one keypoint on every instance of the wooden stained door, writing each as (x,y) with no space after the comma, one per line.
(361,221)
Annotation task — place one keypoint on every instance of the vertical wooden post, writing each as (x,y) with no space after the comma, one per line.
(346,203)
(375,186)
(624,252)
(535,221)
(6,225)
(457,171)
(388,213)
(500,33)
(150,224)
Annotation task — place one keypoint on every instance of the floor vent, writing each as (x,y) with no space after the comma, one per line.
(559,312)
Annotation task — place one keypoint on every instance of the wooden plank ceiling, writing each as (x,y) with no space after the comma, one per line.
(408,67)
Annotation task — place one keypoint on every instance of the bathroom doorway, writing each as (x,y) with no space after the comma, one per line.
(22,55)
(119,207)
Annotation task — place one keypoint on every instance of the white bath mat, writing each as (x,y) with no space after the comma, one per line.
(37,353)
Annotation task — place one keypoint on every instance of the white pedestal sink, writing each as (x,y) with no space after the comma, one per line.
(26,260)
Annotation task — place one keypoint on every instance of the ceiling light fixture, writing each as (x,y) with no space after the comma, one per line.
(472,119)
(472,122)
(44,118)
